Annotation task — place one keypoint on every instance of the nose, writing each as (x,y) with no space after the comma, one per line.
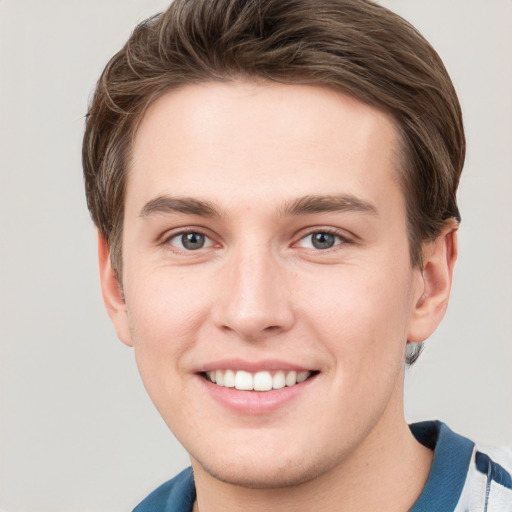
(255,301)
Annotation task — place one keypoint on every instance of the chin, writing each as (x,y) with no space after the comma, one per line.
(262,473)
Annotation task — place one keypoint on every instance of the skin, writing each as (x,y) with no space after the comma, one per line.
(259,290)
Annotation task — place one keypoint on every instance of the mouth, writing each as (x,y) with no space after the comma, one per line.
(257,381)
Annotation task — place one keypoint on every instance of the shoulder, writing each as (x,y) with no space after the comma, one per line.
(465,476)
(489,481)
(175,495)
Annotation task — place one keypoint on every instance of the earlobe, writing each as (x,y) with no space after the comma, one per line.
(435,283)
(112,293)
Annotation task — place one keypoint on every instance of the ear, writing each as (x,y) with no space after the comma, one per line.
(112,293)
(434,284)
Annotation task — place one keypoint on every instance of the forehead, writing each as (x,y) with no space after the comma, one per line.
(220,141)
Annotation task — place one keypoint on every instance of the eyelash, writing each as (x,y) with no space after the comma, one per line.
(341,236)
(168,239)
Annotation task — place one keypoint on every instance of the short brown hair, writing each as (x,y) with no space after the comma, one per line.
(354,46)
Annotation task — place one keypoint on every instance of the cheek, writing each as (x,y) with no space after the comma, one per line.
(165,317)
(165,312)
(163,305)
(362,315)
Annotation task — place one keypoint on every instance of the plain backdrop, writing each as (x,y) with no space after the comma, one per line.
(77,431)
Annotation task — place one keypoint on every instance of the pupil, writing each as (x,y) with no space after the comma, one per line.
(192,241)
(323,240)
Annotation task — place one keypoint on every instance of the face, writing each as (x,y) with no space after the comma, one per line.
(265,246)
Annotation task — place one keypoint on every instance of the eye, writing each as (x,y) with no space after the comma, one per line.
(190,241)
(320,240)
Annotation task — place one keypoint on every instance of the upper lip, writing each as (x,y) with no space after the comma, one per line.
(252,366)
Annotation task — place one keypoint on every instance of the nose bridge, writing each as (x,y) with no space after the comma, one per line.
(255,299)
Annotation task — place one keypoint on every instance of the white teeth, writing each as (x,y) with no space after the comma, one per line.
(262,381)
(291,378)
(278,380)
(243,381)
(302,376)
(229,379)
(259,381)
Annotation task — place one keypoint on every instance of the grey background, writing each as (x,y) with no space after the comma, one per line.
(77,431)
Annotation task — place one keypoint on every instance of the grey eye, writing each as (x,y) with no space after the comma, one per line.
(192,241)
(323,240)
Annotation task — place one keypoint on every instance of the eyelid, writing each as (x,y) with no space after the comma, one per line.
(341,234)
(166,238)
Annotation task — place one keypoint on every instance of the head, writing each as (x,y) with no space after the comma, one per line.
(353,46)
(297,58)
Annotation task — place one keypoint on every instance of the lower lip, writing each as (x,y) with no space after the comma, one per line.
(255,402)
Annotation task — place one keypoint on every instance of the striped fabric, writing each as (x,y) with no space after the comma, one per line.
(488,485)
(464,477)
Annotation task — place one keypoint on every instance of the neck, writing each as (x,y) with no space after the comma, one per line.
(387,472)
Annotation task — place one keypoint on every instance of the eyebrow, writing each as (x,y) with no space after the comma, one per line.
(330,203)
(300,206)
(187,205)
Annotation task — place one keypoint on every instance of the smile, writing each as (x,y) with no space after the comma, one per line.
(258,381)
